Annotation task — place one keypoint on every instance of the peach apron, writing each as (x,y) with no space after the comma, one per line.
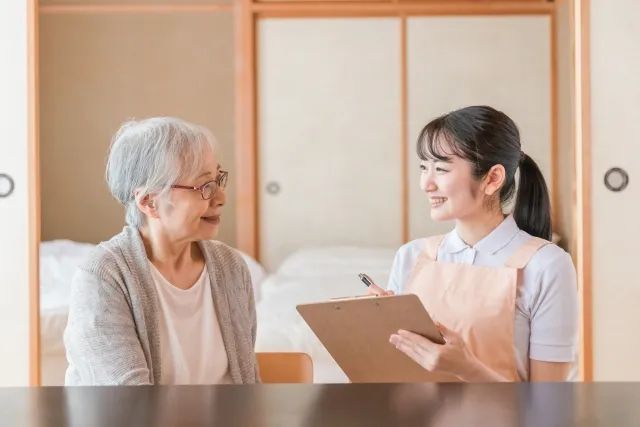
(477,302)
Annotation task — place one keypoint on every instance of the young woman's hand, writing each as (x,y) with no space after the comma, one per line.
(374,289)
(453,357)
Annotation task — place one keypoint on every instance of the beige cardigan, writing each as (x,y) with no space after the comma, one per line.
(112,335)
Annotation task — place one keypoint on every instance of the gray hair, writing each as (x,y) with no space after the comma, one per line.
(151,155)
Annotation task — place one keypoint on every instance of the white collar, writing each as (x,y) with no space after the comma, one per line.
(496,240)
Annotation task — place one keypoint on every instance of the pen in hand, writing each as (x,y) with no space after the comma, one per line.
(373,289)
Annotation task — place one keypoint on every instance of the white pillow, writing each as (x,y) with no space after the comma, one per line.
(338,260)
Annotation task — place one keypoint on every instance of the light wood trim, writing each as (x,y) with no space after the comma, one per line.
(555,123)
(323,1)
(33,172)
(132,8)
(326,9)
(583,222)
(247,152)
(404,129)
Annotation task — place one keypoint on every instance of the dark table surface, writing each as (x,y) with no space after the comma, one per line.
(371,405)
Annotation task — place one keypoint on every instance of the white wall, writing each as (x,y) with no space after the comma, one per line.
(14,288)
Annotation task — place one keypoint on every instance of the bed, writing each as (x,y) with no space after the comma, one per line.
(311,274)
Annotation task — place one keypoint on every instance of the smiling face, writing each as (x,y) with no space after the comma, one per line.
(454,193)
(185,215)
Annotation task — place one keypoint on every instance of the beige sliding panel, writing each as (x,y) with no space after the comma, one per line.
(329,117)
(453,62)
(613,185)
(98,70)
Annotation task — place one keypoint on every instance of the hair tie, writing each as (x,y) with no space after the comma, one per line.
(522,156)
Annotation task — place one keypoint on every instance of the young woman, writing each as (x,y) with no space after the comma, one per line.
(503,295)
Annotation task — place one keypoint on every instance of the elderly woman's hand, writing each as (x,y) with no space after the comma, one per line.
(452,358)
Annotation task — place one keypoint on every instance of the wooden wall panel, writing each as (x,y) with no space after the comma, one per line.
(454,62)
(329,118)
(100,70)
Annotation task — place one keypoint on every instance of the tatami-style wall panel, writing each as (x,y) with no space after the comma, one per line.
(98,70)
(453,62)
(329,120)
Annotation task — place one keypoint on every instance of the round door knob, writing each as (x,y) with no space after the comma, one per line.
(273,188)
(616,179)
(6,185)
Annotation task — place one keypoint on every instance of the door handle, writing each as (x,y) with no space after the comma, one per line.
(616,179)
(6,185)
(273,188)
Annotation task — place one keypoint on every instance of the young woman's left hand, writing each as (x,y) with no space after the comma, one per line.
(453,358)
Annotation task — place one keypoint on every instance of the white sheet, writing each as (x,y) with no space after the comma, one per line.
(58,261)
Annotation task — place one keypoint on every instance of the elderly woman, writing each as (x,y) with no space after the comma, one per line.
(161,302)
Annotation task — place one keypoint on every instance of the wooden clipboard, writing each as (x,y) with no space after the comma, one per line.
(356,331)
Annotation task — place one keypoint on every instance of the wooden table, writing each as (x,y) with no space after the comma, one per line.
(352,405)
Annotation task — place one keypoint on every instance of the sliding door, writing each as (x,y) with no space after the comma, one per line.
(329,126)
(16,181)
(615,106)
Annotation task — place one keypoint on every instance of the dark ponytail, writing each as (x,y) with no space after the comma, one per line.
(486,137)
(532,211)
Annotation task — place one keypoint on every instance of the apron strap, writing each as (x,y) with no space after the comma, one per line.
(524,253)
(431,246)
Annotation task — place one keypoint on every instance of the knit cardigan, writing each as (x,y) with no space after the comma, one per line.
(113,334)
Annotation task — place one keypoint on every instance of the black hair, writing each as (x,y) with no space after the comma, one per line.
(486,137)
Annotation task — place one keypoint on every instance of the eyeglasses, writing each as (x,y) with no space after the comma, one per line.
(208,189)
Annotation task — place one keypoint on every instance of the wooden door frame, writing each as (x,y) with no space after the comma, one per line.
(582,220)
(33,178)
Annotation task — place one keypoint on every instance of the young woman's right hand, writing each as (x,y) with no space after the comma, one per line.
(377,290)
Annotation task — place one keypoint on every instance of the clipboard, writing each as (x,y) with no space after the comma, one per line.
(356,331)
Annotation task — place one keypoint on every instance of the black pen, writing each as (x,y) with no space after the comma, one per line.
(365,279)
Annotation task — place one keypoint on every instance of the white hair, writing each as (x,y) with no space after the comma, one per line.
(151,155)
